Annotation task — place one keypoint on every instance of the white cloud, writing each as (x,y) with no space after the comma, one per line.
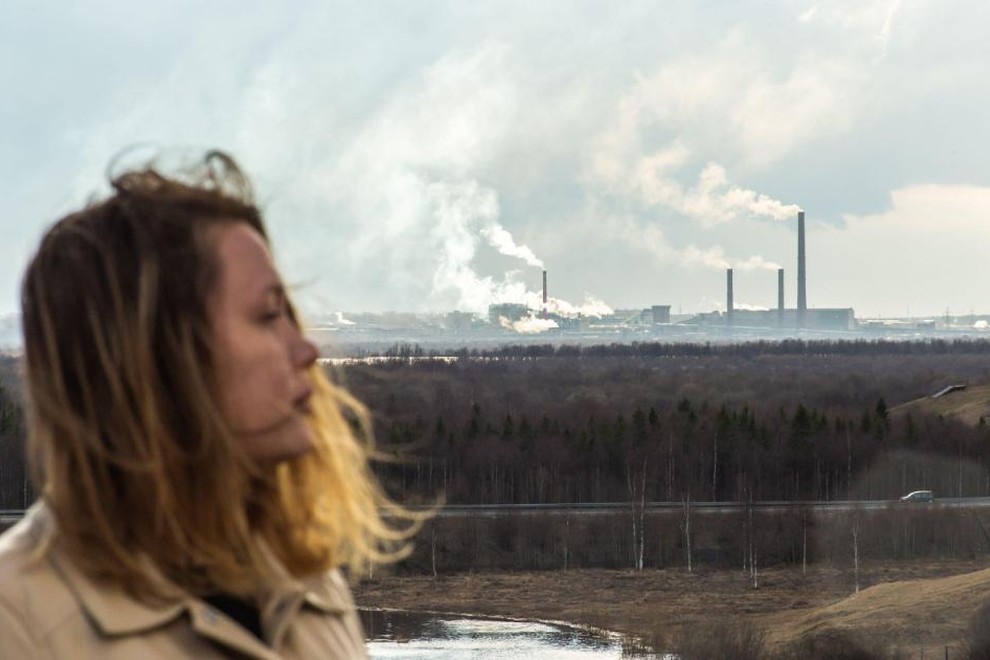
(924,254)
(739,99)
(874,18)
(634,161)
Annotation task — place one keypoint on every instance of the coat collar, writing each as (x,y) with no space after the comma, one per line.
(112,610)
(326,592)
(115,612)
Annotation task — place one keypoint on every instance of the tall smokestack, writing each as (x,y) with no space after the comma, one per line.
(728,296)
(544,314)
(802,294)
(780,289)
(780,296)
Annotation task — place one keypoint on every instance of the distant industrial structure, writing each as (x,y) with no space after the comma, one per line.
(656,317)
(516,322)
(541,321)
(800,318)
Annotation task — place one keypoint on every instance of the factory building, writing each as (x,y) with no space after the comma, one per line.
(460,322)
(842,318)
(510,311)
(658,314)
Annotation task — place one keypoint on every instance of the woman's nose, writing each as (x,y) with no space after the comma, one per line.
(304,352)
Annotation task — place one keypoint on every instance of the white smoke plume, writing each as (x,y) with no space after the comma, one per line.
(750,308)
(720,306)
(528,325)
(411,176)
(651,239)
(458,211)
(591,307)
(714,257)
(462,214)
(340,320)
(756,262)
(500,239)
(712,200)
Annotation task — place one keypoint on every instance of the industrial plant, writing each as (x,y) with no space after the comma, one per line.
(520,323)
(658,318)
(549,320)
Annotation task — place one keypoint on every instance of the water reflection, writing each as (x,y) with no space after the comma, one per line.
(396,635)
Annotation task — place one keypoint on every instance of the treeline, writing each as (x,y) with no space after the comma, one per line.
(931,346)
(589,453)
(591,429)
(791,421)
(689,538)
(15,489)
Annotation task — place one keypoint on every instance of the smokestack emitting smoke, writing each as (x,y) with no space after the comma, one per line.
(544,313)
(728,295)
(802,300)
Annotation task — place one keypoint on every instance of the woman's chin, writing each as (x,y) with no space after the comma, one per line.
(290,443)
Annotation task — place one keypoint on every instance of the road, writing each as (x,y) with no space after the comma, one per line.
(8,516)
(467,510)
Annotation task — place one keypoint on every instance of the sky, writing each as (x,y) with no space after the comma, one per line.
(431,156)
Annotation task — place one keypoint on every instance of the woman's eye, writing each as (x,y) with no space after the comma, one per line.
(272,315)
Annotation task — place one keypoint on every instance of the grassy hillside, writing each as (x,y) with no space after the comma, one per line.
(967,406)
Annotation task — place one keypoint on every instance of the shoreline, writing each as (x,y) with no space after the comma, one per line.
(612,635)
(655,606)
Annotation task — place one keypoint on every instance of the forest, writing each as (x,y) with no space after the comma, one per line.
(738,423)
(757,422)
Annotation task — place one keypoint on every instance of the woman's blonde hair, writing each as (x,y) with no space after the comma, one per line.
(126,443)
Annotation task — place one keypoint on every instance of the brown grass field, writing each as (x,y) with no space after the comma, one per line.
(967,405)
(908,606)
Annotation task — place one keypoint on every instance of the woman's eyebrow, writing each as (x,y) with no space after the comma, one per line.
(275,288)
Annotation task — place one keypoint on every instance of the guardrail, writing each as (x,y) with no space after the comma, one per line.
(592,508)
(8,516)
(619,507)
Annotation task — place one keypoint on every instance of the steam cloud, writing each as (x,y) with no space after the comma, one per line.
(742,306)
(528,325)
(590,307)
(463,213)
(714,257)
(412,178)
(712,200)
(500,239)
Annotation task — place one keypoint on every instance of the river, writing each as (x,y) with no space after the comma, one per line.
(404,635)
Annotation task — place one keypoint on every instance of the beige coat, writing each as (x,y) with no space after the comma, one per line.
(50,610)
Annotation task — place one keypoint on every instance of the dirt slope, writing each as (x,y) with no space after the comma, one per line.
(911,605)
(966,405)
(932,612)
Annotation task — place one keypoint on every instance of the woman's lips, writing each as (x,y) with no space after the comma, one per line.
(301,403)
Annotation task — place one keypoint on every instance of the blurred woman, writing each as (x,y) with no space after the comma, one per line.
(200,481)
